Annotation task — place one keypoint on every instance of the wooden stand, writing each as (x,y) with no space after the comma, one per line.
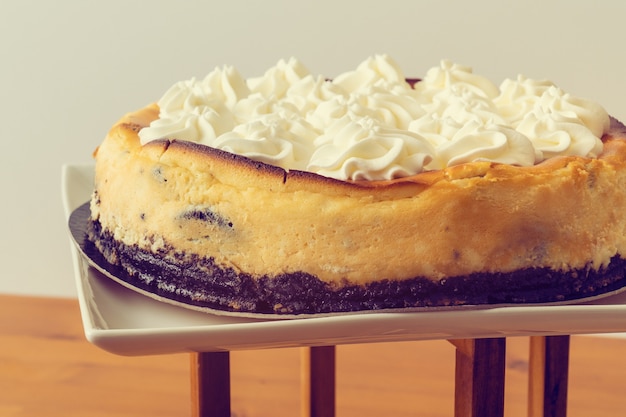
(210,384)
(318,381)
(479,379)
(548,376)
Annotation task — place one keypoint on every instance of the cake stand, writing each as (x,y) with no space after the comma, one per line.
(125,322)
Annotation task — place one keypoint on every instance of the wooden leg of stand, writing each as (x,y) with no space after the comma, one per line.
(547,376)
(210,384)
(479,377)
(318,381)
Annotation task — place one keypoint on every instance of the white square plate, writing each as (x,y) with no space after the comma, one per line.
(125,322)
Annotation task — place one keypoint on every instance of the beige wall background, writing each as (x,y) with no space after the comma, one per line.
(69,69)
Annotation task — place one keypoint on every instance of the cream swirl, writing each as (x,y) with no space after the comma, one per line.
(390,109)
(280,139)
(379,70)
(474,140)
(591,114)
(370,124)
(435,129)
(394,108)
(518,97)
(198,111)
(277,80)
(463,105)
(201,124)
(363,150)
(223,87)
(448,74)
(489,142)
(555,134)
(309,92)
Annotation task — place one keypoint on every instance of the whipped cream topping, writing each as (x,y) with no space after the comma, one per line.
(370,124)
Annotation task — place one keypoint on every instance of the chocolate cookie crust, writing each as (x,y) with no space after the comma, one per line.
(201,282)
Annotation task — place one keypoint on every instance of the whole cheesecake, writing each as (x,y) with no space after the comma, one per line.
(242,222)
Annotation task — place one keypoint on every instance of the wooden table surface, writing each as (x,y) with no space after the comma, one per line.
(47,368)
